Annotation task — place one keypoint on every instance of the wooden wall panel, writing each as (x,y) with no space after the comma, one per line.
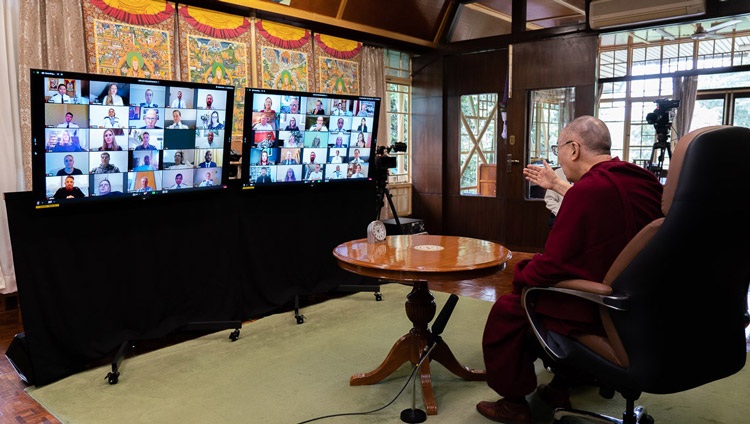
(427,141)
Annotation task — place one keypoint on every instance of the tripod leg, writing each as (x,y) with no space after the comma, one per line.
(393,209)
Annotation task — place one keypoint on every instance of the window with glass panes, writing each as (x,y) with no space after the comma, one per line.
(397,117)
(634,74)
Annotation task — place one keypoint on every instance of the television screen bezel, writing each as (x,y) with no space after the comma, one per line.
(38,104)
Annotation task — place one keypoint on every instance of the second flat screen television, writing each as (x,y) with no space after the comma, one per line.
(299,137)
(98,136)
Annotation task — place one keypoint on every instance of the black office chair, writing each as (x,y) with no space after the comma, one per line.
(674,302)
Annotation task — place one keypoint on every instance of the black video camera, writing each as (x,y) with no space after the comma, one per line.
(661,117)
(383,161)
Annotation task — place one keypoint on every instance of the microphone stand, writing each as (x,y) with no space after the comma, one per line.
(414,415)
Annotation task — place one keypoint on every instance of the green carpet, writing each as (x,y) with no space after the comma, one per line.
(281,372)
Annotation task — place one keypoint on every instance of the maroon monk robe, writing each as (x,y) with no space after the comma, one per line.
(597,218)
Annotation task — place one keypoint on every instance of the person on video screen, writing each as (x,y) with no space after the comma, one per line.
(320,125)
(105,167)
(177,117)
(209,101)
(294,140)
(112,98)
(149,96)
(289,176)
(361,140)
(178,102)
(357,171)
(340,126)
(178,182)
(337,157)
(263,178)
(339,142)
(109,142)
(289,159)
(69,168)
(214,123)
(145,142)
(267,142)
(356,158)
(69,191)
(208,162)
(294,105)
(207,181)
(337,174)
(315,173)
(66,143)
(264,158)
(268,106)
(112,120)
(144,187)
(150,118)
(179,161)
(61,96)
(292,125)
(146,165)
(318,108)
(68,122)
(105,189)
(362,126)
(263,124)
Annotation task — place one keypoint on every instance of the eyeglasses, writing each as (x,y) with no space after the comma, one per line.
(555,148)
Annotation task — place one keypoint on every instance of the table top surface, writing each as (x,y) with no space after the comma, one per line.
(421,253)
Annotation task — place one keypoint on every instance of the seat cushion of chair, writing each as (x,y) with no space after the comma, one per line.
(599,345)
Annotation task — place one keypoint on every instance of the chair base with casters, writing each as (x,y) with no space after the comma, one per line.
(632,415)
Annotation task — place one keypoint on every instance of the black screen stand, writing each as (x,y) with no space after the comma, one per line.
(114,375)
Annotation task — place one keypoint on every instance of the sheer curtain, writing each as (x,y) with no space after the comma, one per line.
(11,168)
(373,84)
(50,35)
(685,89)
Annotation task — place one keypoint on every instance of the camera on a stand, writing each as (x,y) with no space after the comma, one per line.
(661,118)
(381,164)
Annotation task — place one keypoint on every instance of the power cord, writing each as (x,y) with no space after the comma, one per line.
(374,410)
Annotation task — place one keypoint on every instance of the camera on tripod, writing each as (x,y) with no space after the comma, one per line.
(661,117)
(383,161)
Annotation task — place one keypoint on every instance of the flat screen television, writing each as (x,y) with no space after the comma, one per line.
(294,137)
(97,137)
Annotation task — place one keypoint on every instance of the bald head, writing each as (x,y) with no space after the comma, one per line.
(590,132)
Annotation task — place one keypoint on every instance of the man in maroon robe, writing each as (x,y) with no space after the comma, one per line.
(608,203)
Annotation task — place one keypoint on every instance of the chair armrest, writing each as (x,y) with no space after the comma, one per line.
(590,290)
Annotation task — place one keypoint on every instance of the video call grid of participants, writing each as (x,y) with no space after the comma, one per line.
(157,130)
(301,141)
(130,183)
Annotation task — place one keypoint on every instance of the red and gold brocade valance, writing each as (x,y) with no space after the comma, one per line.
(136,12)
(215,24)
(339,48)
(283,36)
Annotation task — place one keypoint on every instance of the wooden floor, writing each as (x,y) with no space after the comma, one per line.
(17,407)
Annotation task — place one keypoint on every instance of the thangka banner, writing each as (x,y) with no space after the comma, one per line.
(338,76)
(209,59)
(338,63)
(284,54)
(118,46)
(283,69)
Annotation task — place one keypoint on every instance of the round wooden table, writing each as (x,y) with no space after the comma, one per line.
(418,259)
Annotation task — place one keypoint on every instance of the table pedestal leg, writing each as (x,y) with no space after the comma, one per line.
(420,308)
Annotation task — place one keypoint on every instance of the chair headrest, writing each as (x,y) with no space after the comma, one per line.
(676,161)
